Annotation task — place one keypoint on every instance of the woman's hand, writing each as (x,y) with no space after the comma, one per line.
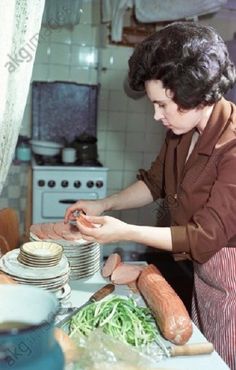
(107,229)
(136,195)
(90,207)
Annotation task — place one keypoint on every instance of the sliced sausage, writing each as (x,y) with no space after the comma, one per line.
(111,263)
(60,227)
(66,231)
(71,233)
(125,273)
(36,230)
(47,229)
(83,220)
(167,308)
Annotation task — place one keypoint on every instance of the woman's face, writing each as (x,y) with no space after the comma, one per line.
(166,110)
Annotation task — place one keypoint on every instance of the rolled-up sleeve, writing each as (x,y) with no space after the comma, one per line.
(214,225)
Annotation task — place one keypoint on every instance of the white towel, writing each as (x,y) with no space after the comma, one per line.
(62,13)
(159,10)
(106,11)
(114,10)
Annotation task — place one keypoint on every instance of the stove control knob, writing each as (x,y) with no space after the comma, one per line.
(41,183)
(51,183)
(99,184)
(90,184)
(77,184)
(64,183)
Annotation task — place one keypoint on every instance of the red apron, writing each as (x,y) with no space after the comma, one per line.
(214,302)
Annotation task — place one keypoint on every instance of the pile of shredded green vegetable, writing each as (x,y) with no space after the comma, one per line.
(119,317)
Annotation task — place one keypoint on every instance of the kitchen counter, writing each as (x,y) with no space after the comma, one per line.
(84,288)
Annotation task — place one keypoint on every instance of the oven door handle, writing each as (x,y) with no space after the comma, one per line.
(68,201)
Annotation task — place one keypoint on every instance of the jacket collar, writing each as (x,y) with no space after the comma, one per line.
(207,141)
(215,127)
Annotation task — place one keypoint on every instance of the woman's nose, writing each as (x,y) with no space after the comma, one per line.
(157,114)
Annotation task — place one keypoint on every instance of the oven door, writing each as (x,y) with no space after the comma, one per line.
(54,204)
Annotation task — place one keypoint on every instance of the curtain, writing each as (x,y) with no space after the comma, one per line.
(19,32)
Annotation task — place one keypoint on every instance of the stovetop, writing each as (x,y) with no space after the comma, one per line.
(41,160)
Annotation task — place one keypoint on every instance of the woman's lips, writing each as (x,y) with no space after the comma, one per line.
(165,123)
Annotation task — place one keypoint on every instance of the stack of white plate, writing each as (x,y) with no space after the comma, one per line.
(52,278)
(84,257)
(84,260)
(40,254)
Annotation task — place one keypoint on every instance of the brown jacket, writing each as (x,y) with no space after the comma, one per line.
(201,194)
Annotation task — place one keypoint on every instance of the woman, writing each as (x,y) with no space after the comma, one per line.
(185,70)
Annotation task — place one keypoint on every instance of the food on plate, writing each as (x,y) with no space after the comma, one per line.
(36,230)
(72,234)
(5,279)
(67,231)
(119,317)
(69,348)
(55,231)
(168,309)
(49,233)
(111,263)
(126,273)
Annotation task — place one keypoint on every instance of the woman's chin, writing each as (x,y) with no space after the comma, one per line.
(177,131)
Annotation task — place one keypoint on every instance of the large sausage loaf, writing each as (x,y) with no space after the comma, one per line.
(168,309)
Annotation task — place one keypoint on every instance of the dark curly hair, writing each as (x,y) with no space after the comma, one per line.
(190,59)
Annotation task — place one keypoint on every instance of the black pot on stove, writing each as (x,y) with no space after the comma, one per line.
(86,148)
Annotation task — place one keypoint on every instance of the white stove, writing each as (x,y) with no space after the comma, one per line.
(56,187)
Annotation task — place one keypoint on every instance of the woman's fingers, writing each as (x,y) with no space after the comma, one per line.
(94,207)
(69,213)
(106,229)
(88,238)
(86,230)
(97,220)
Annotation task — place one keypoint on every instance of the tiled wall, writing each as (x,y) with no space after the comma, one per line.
(15,193)
(128,137)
